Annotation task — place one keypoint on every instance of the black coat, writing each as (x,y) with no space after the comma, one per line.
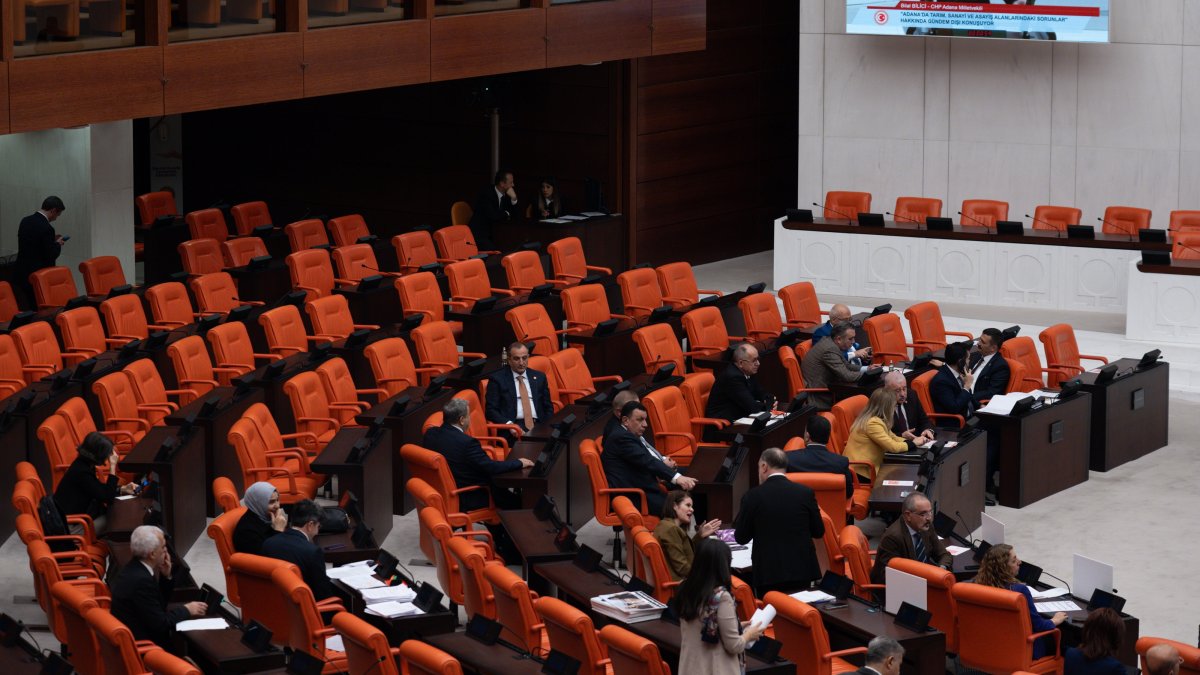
(816,458)
(291,545)
(502,396)
(782,518)
(80,492)
(948,395)
(250,533)
(627,463)
(469,464)
(992,379)
(914,414)
(139,601)
(735,396)
(490,210)
(36,245)
(609,428)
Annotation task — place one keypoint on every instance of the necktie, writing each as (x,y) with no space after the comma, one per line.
(978,365)
(920,547)
(903,417)
(657,455)
(526,403)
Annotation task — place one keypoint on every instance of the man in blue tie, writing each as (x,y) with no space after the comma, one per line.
(912,537)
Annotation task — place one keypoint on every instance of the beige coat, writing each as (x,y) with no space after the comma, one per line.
(697,657)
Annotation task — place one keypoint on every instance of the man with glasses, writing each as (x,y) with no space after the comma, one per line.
(142,588)
(912,537)
(737,393)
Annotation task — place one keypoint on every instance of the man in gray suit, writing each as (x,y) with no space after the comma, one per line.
(826,364)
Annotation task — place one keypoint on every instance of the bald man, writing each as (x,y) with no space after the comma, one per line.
(736,392)
(618,403)
(838,314)
(1163,659)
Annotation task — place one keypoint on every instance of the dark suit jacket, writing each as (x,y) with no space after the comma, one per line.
(502,396)
(782,518)
(896,543)
(914,413)
(948,395)
(627,464)
(816,458)
(992,380)
(291,545)
(80,492)
(140,602)
(824,365)
(609,427)
(469,464)
(1075,664)
(734,396)
(36,247)
(250,533)
(490,210)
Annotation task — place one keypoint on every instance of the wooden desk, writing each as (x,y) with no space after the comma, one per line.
(404,429)
(533,538)
(379,305)
(272,392)
(642,383)
(222,651)
(161,258)
(1129,414)
(370,479)
(458,379)
(18,438)
(855,624)
(263,285)
(578,588)
(440,620)
(476,657)
(958,479)
(1072,631)
(340,549)
(1043,451)
(489,331)
(220,459)
(731,314)
(612,354)
(567,480)
(713,497)
(603,237)
(17,659)
(181,480)
(774,436)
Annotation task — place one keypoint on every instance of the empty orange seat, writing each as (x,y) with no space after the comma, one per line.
(761,314)
(311,407)
(201,256)
(531,323)
(843,205)
(706,331)
(886,337)
(926,327)
(39,351)
(193,368)
(1022,350)
(119,405)
(12,378)
(1055,217)
(233,352)
(305,234)
(355,261)
(659,346)
(641,294)
(525,272)
(916,209)
(82,332)
(1183,221)
(250,215)
(239,252)
(676,280)
(568,261)
(285,332)
(101,274)
(217,294)
(393,367)
(458,243)
(572,633)
(263,455)
(1125,220)
(575,380)
(586,306)
(347,230)
(983,213)
(312,272)
(8,302)
(207,224)
(805,641)
(800,305)
(469,282)
(169,304)
(126,319)
(151,394)
(154,205)
(367,649)
(53,287)
(420,294)
(1062,353)
(331,319)
(437,349)
(415,250)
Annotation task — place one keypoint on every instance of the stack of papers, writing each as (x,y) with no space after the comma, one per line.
(400,593)
(335,643)
(812,597)
(363,582)
(393,609)
(593,214)
(202,624)
(763,616)
(573,218)
(752,420)
(955,550)
(556,221)
(354,569)
(1060,606)
(1048,593)
(628,606)
(1002,404)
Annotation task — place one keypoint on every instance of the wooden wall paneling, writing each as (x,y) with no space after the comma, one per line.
(589,32)
(699,148)
(679,25)
(368,56)
(207,74)
(692,196)
(4,128)
(487,43)
(629,142)
(692,102)
(694,240)
(728,51)
(6,31)
(95,86)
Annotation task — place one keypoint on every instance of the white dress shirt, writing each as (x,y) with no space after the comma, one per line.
(979,369)
(529,388)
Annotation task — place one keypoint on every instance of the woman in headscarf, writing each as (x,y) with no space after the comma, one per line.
(263,518)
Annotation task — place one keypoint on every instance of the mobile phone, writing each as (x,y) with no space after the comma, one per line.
(66,237)
(335,547)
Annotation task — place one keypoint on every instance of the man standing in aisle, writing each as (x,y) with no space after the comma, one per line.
(38,245)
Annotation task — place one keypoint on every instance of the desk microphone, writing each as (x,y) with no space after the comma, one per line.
(372,269)
(840,213)
(1119,225)
(969,541)
(908,219)
(1057,232)
(976,220)
(1064,583)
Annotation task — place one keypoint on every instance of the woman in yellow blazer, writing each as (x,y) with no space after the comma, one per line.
(871,434)
(671,532)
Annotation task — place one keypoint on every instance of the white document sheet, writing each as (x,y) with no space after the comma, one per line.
(335,643)
(903,587)
(202,624)
(1058,606)
(1048,593)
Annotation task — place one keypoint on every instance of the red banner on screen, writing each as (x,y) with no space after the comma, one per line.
(991,9)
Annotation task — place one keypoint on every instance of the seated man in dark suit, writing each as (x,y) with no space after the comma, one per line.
(736,392)
(815,457)
(630,461)
(883,656)
(517,394)
(782,518)
(989,370)
(950,388)
(496,204)
(838,315)
(910,422)
(469,464)
(618,404)
(142,588)
(911,537)
(295,545)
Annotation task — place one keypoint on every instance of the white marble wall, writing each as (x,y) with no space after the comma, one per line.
(91,169)
(1026,122)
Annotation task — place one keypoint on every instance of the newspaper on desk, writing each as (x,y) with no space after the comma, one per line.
(1002,404)
(628,606)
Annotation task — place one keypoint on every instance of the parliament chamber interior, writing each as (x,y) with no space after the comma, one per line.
(316,317)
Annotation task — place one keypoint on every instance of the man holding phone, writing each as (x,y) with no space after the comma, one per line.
(38,245)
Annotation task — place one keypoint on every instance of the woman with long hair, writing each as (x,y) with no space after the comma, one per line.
(671,532)
(871,434)
(1103,634)
(713,641)
(999,570)
(548,204)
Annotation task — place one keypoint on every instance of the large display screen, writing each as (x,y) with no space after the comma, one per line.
(1063,20)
